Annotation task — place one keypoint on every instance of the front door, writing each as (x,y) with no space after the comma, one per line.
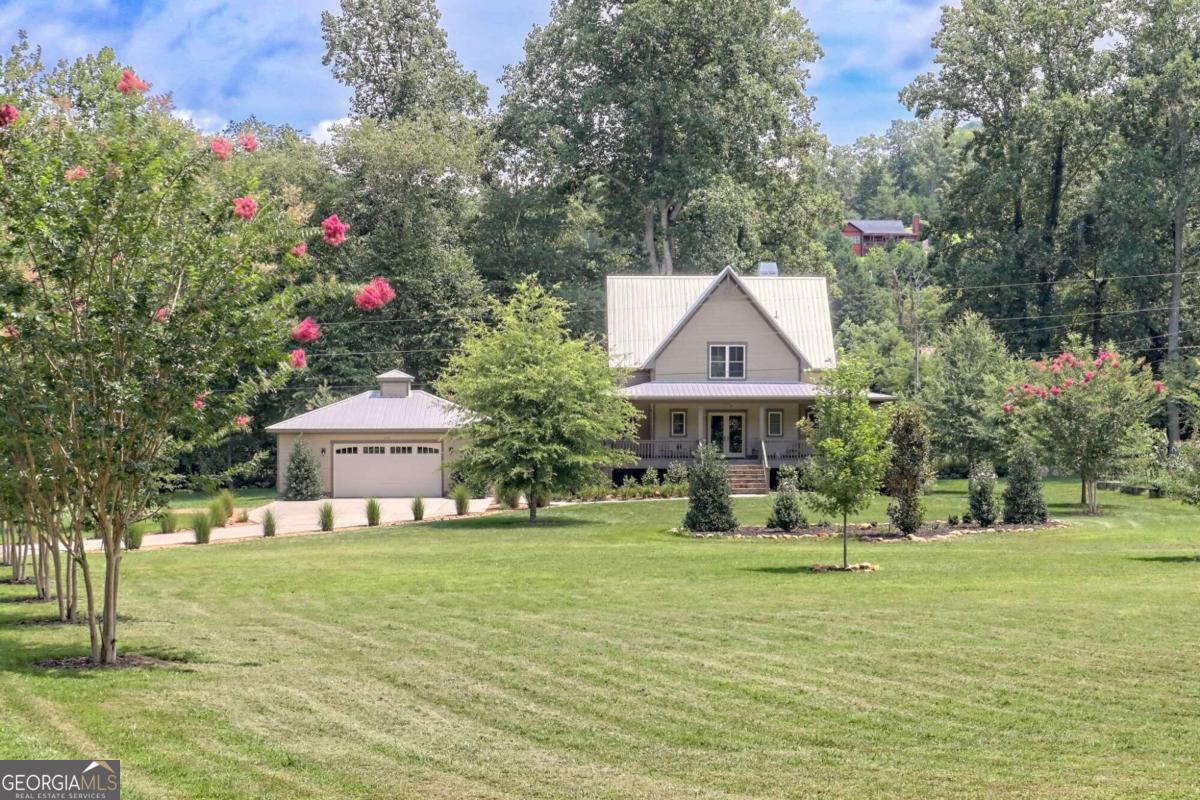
(728,432)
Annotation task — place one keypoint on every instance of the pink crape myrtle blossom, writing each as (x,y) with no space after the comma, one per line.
(299,359)
(8,115)
(334,230)
(1159,387)
(307,331)
(1056,390)
(131,83)
(248,141)
(242,421)
(300,250)
(1008,408)
(245,207)
(201,400)
(162,314)
(221,147)
(1089,376)
(76,173)
(375,295)
(10,331)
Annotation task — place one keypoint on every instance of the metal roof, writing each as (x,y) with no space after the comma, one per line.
(371,411)
(644,309)
(730,390)
(880,227)
(394,375)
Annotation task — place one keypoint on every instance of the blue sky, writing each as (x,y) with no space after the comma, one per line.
(228,59)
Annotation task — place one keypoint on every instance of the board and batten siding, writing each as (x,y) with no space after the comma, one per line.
(327,442)
(727,317)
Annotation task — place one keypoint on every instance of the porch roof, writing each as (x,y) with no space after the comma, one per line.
(730,390)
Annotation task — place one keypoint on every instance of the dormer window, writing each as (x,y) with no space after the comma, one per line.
(726,361)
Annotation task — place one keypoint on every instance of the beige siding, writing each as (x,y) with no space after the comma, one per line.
(728,317)
(660,413)
(325,442)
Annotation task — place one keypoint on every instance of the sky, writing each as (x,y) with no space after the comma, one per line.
(227,59)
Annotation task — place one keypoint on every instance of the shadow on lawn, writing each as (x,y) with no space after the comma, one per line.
(798,570)
(1169,559)
(513,520)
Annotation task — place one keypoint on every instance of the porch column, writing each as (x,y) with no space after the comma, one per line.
(762,424)
(702,423)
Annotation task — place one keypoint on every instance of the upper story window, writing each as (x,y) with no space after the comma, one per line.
(726,361)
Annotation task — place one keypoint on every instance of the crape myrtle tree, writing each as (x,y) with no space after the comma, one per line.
(1087,413)
(851,451)
(543,404)
(143,287)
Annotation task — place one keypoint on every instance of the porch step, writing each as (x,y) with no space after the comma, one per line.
(747,479)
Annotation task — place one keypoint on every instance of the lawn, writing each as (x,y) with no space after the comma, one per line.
(598,655)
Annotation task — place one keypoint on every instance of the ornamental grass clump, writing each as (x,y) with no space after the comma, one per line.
(462,498)
(325,516)
(216,513)
(373,512)
(710,508)
(1024,501)
(981,493)
(268,523)
(227,502)
(167,522)
(201,527)
(418,508)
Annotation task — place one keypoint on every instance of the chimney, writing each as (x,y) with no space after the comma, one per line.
(394,383)
(916,225)
(768,269)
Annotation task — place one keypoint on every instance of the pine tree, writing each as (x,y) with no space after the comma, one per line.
(709,505)
(303,474)
(1024,503)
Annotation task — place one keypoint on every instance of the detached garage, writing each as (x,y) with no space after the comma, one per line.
(388,442)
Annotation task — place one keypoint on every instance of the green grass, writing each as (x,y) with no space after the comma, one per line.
(244,498)
(598,655)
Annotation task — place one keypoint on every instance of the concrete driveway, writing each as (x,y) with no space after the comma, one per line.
(302,516)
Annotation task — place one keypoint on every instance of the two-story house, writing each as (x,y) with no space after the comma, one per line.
(867,234)
(727,359)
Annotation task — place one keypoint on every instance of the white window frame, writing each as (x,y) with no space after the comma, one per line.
(682,414)
(726,347)
(774,413)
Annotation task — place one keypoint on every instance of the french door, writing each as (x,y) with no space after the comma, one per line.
(728,432)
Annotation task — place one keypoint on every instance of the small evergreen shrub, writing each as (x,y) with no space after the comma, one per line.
(167,522)
(133,537)
(226,499)
(981,494)
(202,528)
(303,474)
(677,473)
(418,508)
(709,505)
(268,523)
(952,520)
(373,512)
(786,514)
(462,499)
(1024,502)
(216,513)
(909,472)
(966,518)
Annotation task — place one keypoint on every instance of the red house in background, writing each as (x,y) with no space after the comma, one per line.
(866,234)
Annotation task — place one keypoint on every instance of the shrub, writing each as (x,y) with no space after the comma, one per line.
(981,493)
(227,502)
(508,496)
(786,514)
(268,523)
(216,513)
(167,522)
(325,516)
(966,518)
(202,527)
(462,498)
(677,473)
(650,478)
(418,508)
(709,505)
(133,537)
(908,472)
(952,520)
(373,512)
(303,474)
(804,475)
(1024,503)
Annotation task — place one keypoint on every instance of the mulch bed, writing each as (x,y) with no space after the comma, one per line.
(133,661)
(872,533)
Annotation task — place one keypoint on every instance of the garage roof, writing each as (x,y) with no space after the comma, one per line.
(372,411)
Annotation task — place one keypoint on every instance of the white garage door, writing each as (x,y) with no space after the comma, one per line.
(386,469)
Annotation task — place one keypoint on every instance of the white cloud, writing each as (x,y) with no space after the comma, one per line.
(205,121)
(323,132)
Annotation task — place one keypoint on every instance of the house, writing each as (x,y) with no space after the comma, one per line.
(727,359)
(387,442)
(867,234)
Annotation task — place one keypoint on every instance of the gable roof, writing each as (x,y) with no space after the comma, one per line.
(372,411)
(880,227)
(645,311)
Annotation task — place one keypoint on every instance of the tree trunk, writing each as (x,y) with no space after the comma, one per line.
(531,500)
(648,243)
(61,591)
(668,258)
(108,622)
(845,542)
(1180,222)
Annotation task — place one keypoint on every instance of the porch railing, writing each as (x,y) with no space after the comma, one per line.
(775,450)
